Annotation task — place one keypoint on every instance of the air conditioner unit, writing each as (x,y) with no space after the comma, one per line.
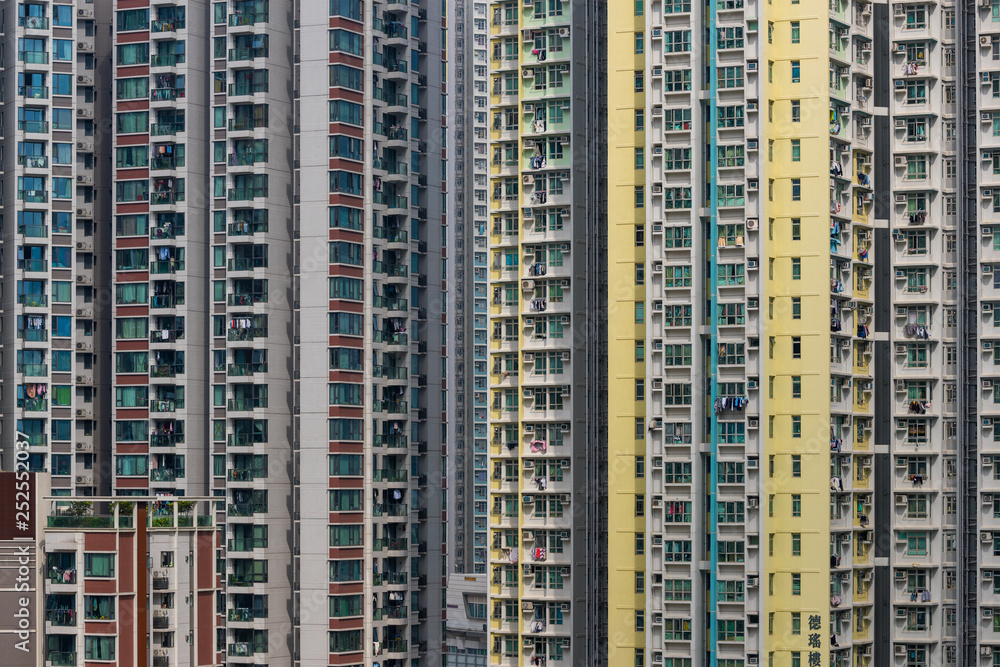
(85,80)
(984,40)
(986,536)
(986,116)
(753,422)
(900,161)
(752,185)
(527,73)
(752,144)
(752,462)
(900,199)
(752,581)
(987,384)
(527,285)
(751,65)
(986,651)
(988,461)
(752,263)
(899,84)
(900,649)
(987,498)
(901,499)
(899,47)
(85,113)
(529,465)
(752,224)
(527,500)
(987,193)
(529,108)
(751,105)
(987,613)
(987,231)
(987,574)
(657,71)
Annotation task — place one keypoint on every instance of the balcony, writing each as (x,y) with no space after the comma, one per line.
(246,334)
(245,370)
(246,299)
(245,404)
(392,235)
(246,509)
(246,194)
(243,228)
(166,266)
(164,198)
(389,579)
(163,405)
(390,303)
(164,474)
(33,335)
(392,407)
(246,124)
(33,265)
(248,53)
(166,94)
(244,19)
(161,583)
(165,60)
(165,301)
(166,25)
(33,57)
(389,509)
(33,161)
(33,300)
(246,474)
(246,88)
(33,196)
(34,22)
(165,440)
(390,544)
(62,618)
(244,615)
(393,441)
(245,649)
(246,263)
(34,92)
(60,658)
(243,440)
(390,475)
(33,370)
(35,126)
(246,159)
(165,129)
(390,338)
(385,613)
(246,544)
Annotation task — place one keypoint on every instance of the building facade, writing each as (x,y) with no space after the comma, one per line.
(470,401)
(266,190)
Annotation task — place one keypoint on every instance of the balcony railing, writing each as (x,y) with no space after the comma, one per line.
(247,228)
(246,123)
(246,509)
(61,617)
(247,88)
(166,94)
(61,658)
(165,440)
(164,25)
(33,161)
(33,196)
(246,194)
(37,126)
(33,335)
(390,544)
(246,299)
(35,265)
(245,370)
(34,22)
(248,53)
(243,440)
(163,405)
(33,300)
(247,18)
(246,404)
(33,370)
(246,474)
(33,57)
(165,60)
(246,543)
(34,92)
(246,263)
(246,334)
(395,440)
(165,129)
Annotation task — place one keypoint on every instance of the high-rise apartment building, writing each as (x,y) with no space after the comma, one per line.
(791,375)
(470,193)
(547,210)
(214,201)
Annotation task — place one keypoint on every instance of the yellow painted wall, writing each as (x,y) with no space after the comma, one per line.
(813,327)
(623,371)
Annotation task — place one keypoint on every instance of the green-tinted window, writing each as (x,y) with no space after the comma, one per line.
(218,395)
(219,289)
(218,221)
(219,253)
(220,116)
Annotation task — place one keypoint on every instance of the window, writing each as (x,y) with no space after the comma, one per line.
(640,351)
(639,43)
(796,189)
(796,150)
(796,544)
(639,81)
(796,308)
(796,505)
(640,122)
(796,32)
(796,71)
(796,111)
(640,391)
(99,565)
(640,467)
(796,465)
(640,312)
(99,647)
(796,347)
(640,159)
